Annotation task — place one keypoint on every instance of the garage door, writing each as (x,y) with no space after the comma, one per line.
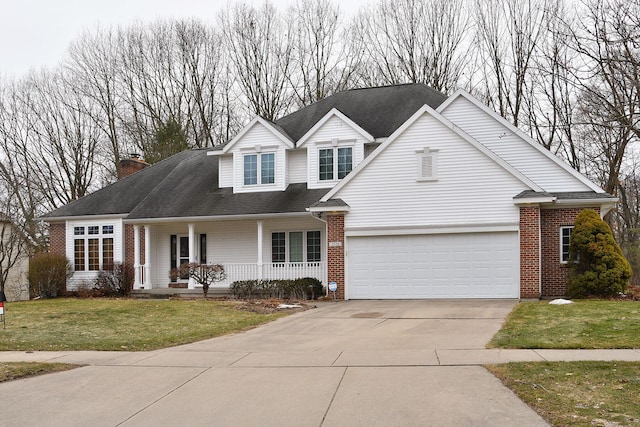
(471,265)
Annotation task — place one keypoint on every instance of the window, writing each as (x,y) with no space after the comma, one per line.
(265,168)
(94,251)
(334,163)
(565,238)
(296,246)
(427,164)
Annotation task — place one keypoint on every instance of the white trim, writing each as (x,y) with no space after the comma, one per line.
(521,134)
(334,112)
(328,209)
(431,229)
(256,120)
(533,200)
(564,227)
(428,110)
(215,218)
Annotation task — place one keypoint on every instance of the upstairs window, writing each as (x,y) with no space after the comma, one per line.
(259,169)
(565,239)
(427,164)
(334,163)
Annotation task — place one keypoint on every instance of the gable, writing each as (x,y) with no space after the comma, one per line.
(470,187)
(508,142)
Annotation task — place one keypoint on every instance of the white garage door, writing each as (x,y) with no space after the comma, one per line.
(471,265)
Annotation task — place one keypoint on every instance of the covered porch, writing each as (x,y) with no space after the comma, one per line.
(266,248)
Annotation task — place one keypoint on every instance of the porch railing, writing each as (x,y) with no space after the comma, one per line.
(274,271)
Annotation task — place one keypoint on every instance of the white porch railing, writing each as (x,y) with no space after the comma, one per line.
(274,271)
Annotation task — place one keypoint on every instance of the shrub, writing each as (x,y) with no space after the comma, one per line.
(305,288)
(115,280)
(48,274)
(598,267)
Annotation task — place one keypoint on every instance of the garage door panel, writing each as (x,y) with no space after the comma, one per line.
(471,265)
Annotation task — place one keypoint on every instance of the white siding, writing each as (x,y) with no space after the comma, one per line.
(86,277)
(297,169)
(259,136)
(334,128)
(471,187)
(225,172)
(511,147)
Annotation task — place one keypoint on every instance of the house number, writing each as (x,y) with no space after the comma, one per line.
(334,244)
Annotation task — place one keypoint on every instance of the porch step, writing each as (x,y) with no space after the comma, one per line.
(163,293)
(178,285)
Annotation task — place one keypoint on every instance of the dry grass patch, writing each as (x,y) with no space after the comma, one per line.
(577,393)
(15,370)
(121,324)
(588,324)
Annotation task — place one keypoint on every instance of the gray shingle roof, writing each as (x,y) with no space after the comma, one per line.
(185,185)
(566,195)
(370,108)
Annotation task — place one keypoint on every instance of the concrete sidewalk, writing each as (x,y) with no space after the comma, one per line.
(369,363)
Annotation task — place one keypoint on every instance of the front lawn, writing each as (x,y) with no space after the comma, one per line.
(577,393)
(120,324)
(587,324)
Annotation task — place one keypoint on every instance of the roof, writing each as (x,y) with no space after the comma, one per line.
(369,108)
(567,195)
(185,185)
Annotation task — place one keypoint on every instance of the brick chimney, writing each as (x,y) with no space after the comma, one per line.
(131,165)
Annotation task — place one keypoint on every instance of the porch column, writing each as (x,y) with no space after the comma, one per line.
(260,244)
(147,257)
(192,251)
(530,251)
(136,256)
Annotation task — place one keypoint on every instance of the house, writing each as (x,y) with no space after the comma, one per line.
(391,192)
(14,261)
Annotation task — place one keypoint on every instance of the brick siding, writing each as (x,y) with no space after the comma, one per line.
(529,252)
(554,273)
(335,259)
(129,246)
(58,238)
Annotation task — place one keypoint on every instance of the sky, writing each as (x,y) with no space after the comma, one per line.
(36,33)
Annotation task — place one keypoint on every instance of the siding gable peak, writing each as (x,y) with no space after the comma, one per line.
(334,112)
(276,130)
(430,111)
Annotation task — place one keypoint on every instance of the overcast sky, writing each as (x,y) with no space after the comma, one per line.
(36,33)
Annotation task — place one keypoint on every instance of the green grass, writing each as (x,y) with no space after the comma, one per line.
(590,324)
(577,393)
(120,324)
(15,370)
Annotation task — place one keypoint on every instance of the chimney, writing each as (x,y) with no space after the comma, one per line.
(131,165)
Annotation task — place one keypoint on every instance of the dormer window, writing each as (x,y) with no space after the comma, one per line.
(427,164)
(334,163)
(259,169)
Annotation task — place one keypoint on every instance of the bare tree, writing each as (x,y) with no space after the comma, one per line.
(324,64)
(260,45)
(14,250)
(415,41)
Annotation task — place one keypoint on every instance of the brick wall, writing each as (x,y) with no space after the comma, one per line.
(58,238)
(335,259)
(130,166)
(554,273)
(529,252)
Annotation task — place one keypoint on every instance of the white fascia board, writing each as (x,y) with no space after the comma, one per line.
(256,120)
(587,202)
(182,219)
(428,110)
(433,229)
(83,218)
(534,200)
(334,113)
(314,209)
(521,134)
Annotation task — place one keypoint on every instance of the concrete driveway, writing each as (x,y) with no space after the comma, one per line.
(354,363)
